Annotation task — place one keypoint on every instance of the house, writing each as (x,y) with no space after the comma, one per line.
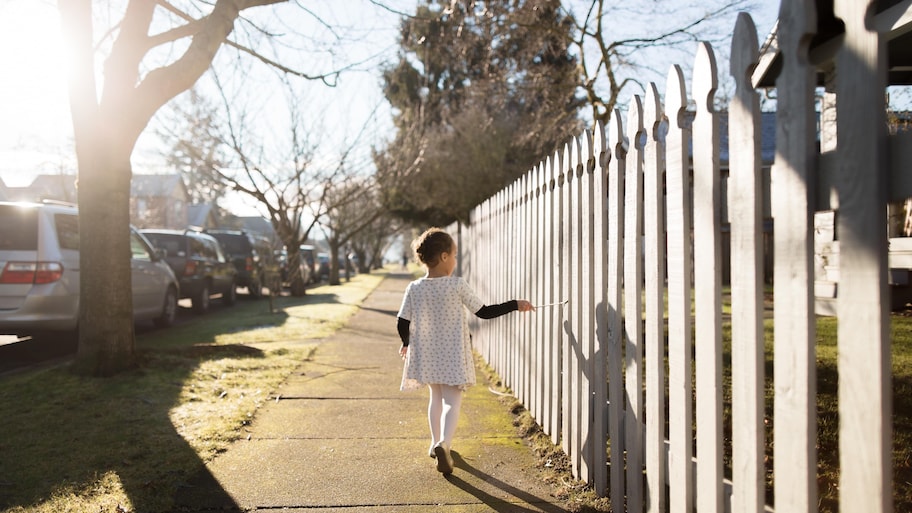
(891,18)
(202,215)
(59,187)
(259,226)
(159,201)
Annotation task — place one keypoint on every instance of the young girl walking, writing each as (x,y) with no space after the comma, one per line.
(435,337)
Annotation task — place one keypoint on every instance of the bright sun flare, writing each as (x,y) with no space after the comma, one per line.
(33,95)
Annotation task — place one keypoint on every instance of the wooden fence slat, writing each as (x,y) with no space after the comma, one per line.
(795,427)
(573,309)
(531,271)
(567,424)
(746,211)
(633,305)
(654,270)
(865,393)
(536,271)
(513,355)
(599,434)
(587,306)
(616,169)
(680,344)
(554,257)
(522,360)
(707,283)
(503,260)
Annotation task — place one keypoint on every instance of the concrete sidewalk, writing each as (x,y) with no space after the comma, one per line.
(342,437)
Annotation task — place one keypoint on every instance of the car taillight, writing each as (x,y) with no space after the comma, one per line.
(190,268)
(31,272)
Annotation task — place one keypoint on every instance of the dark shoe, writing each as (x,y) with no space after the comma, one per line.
(444,460)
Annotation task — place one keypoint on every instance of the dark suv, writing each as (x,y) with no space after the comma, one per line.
(254,259)
(199,263)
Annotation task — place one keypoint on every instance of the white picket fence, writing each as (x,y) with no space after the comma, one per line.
(597,222)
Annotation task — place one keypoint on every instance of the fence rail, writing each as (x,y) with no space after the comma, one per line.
(626,217)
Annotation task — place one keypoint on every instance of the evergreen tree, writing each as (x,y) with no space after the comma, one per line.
(482,91)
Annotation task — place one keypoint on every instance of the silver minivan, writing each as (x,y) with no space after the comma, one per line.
(39,271)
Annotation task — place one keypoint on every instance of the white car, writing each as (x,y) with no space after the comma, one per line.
(39,272)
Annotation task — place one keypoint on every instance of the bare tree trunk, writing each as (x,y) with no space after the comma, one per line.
(334,269)
(296,279)
(104,142)
(106,338)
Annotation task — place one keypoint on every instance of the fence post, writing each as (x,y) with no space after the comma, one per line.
(573,309)
(680,344)
(553,294)
(587,306)
(746,210)
(599,433)
(633,305)
(541,275)
(865,421)
(616,168)
(707,283)
(793,176)
(654,269)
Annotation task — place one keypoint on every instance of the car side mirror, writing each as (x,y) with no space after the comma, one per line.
(159,253)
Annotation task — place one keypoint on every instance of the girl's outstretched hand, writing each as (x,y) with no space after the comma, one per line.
(524,306)
(403,351)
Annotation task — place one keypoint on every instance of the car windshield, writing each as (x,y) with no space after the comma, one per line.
(18,228)
(233,243)
(173,244)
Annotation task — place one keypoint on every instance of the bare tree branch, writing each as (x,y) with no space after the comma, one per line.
(330,79)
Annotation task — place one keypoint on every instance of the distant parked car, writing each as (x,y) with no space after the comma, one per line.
(322,266)
(40,274)
(309,261)
(281,258)
(199,263)
(254,259)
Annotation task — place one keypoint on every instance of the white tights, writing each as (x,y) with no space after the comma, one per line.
(443,412)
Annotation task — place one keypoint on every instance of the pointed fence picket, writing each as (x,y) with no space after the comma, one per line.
(629,214)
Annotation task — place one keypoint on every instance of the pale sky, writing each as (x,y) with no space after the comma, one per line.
(35,132)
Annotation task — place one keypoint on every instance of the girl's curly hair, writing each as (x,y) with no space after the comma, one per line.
(430,244)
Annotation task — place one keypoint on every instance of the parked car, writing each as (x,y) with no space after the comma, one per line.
(200,265)
(322,266)
(281,257)
(40,275)
(309,261)
(254,259)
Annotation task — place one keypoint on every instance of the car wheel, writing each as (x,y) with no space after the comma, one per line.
(229,297)
(201,300)
(169,310)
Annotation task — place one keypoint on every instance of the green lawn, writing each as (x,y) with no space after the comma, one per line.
(827,411)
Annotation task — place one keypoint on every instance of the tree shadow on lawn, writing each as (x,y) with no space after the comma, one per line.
(73,441)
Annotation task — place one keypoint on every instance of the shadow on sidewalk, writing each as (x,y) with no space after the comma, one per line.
(537,504)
